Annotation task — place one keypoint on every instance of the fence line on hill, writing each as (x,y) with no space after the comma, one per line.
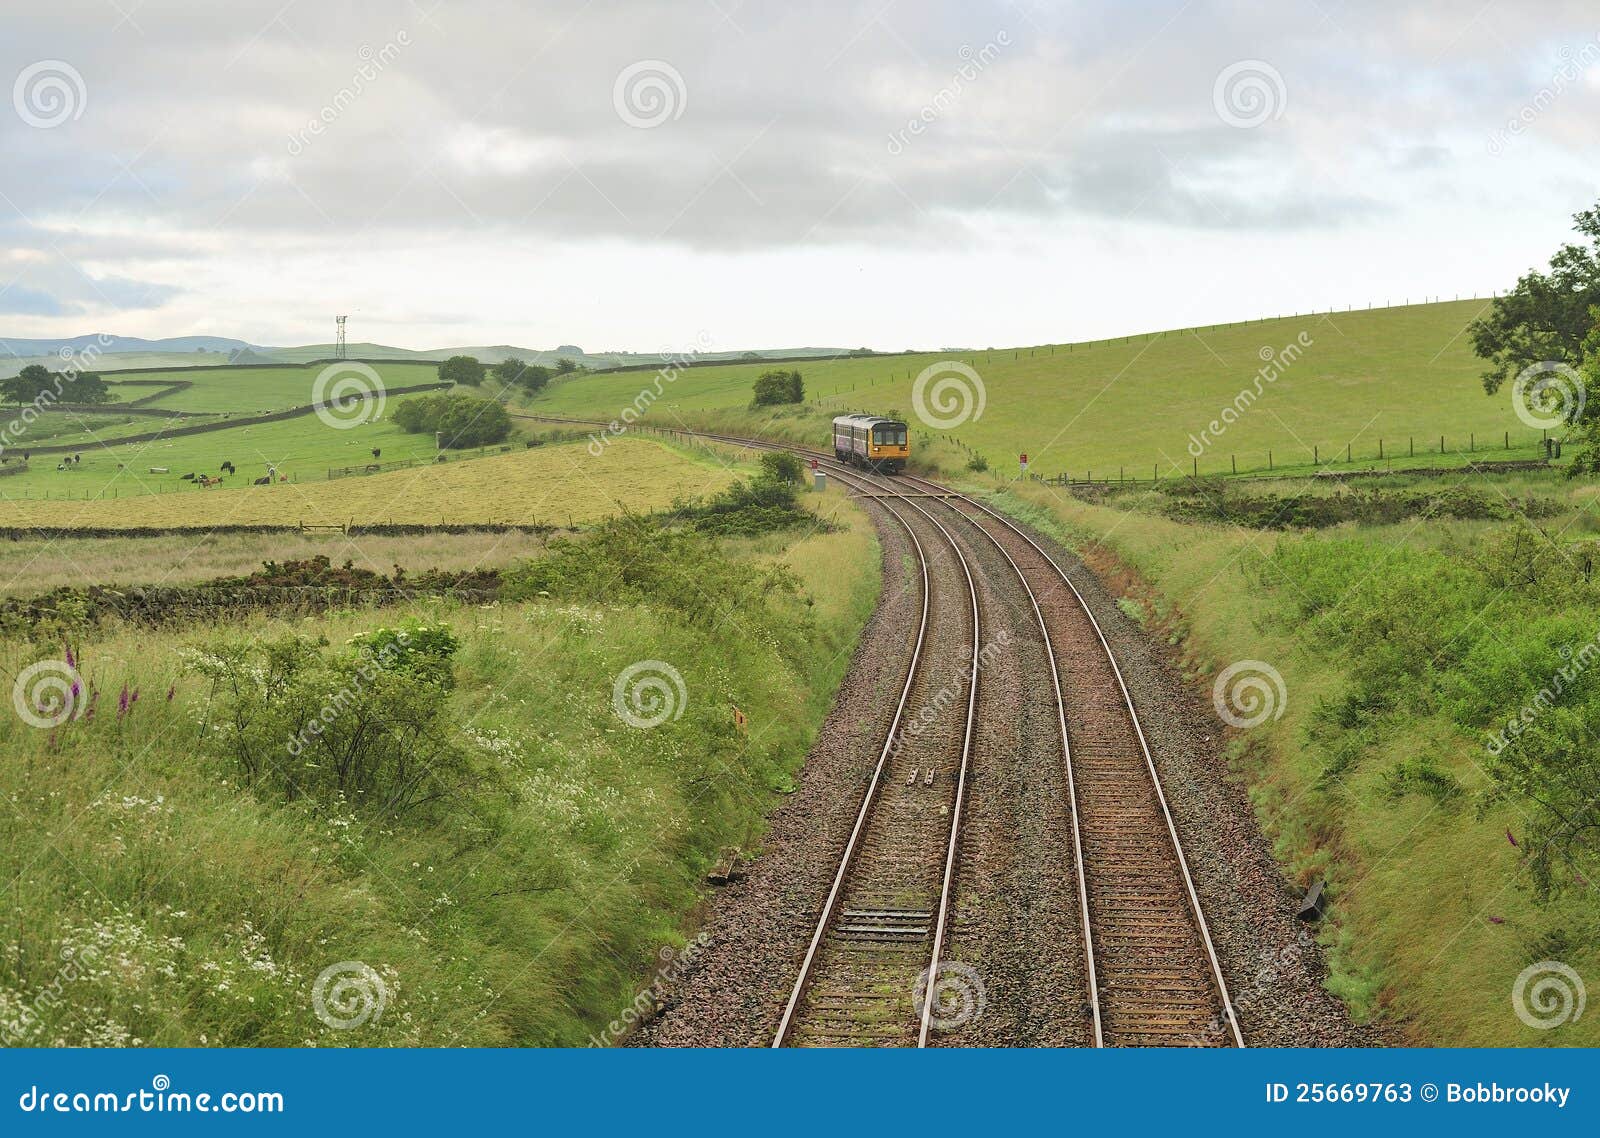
(1532,451)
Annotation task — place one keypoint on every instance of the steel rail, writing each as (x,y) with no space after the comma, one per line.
(864,813)
(1155,778)
(1192,894)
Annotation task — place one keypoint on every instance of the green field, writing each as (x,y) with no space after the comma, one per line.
(1402,376)
(527,907)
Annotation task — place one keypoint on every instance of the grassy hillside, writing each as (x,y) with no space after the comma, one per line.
(1401,643)
(1389,374)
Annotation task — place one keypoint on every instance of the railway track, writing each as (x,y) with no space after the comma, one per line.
(1153,975)
(870,973)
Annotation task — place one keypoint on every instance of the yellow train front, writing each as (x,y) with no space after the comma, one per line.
(871,442)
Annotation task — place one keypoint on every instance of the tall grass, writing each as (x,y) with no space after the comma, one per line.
(193,910)
(1397,651)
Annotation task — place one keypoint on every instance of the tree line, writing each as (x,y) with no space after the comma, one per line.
(36,382)
(510,372)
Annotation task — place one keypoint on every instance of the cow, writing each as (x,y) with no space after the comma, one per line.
(376,453)
(262,481)
(187,477)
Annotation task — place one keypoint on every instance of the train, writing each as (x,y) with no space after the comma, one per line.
(871,442)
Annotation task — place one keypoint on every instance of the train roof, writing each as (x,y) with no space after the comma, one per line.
(867,420)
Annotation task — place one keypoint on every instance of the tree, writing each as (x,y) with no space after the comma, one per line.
(461,369)
(564,366)
(511,372)
(459,420)
(86,387)
(774,387)
(28,384)
(1548,316)
(1587,459)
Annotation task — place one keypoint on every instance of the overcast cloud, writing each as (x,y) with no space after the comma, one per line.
(632,175)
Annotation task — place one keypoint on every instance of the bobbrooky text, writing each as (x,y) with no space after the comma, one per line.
(1272,369)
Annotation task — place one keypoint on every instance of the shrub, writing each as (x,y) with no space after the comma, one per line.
(632,560)
(783,466)
(461,420)
(775,387)
(368,728)
(512,372)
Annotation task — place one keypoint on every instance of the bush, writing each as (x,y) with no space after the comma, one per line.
(783,466)
(776,387)
(361,726)
(632,560)
(512,372)
(460,420)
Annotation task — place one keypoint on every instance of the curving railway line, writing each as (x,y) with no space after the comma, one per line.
(1152,973)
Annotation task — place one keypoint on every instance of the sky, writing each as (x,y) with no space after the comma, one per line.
(743,174)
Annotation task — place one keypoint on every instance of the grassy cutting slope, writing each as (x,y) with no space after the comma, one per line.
(209,911)
(1431,915)
(1385,374)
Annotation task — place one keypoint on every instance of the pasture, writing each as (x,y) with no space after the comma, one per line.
(1396,375)
(558,485)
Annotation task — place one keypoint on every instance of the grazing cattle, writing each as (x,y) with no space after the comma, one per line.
(61,466)
(187,477)
(377,453)
(263,481)
(229,467)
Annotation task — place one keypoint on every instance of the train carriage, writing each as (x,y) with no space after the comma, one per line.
(871,442)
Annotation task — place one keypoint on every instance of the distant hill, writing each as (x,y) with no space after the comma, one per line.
(105,352)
